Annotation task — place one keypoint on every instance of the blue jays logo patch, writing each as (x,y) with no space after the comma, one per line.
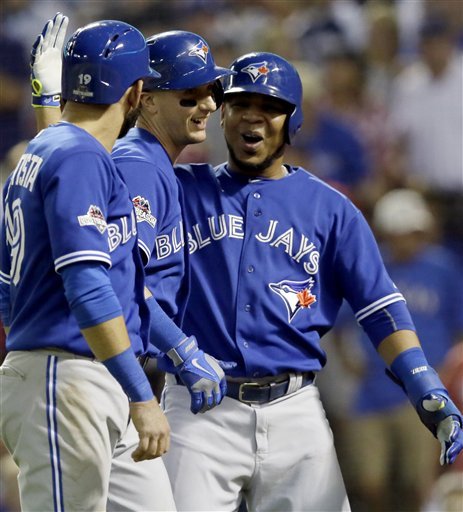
(200,50)
(295,294)
(256,70)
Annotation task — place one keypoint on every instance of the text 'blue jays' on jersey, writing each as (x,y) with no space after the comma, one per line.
(66,203)
(148,173)
(270,262)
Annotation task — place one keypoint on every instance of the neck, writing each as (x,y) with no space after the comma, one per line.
(172,149)
(273,172)
(103,122)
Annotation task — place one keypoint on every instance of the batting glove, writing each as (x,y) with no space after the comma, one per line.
(46,63)
(200,373)
(449,430)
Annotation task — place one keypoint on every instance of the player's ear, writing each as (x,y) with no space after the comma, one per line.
(149,102)
(134,94)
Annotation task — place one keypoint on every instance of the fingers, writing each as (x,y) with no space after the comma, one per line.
(197,402)
(451,437)
(151,447)
(59,30)
(46,36)
(36,48)
(202,401)
(223,387)
(153,430)
(141,450)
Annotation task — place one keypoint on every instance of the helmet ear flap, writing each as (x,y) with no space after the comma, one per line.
(217,93)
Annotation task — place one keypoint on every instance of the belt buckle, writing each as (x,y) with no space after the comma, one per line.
(240,392)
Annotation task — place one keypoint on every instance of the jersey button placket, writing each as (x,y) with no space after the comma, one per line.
(253,211)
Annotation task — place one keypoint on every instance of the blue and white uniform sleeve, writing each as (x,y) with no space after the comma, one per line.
(377,303)
(75,202)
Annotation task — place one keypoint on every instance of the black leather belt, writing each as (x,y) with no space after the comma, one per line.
(255,393)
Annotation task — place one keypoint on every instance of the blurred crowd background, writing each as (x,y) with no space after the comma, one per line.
(383,108)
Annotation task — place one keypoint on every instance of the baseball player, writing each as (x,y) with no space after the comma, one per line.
(173,113)
(273,252)
(77,410)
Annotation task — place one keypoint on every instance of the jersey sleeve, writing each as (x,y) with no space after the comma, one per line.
(150,195)
(76,196)
(360,271)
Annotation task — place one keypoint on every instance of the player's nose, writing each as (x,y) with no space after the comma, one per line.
(207,104)
(252,114)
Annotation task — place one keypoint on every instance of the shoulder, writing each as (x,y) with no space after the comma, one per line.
(140,145)
(140,156)
(318,189)
(194,172)
(68,146)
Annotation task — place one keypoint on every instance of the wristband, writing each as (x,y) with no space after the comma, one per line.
(52,101)
(183,351)
(127,371)
(412,369)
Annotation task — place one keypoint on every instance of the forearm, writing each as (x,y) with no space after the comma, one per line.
(107,339)
(110,343)
(396,343)
(164,333)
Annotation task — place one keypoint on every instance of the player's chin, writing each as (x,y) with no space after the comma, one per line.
(249,155)
(247,161)
(197,136)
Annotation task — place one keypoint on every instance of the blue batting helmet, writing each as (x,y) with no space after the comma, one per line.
(103,59)
(271,75)
(184,61)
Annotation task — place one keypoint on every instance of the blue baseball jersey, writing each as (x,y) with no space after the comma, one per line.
(270,263)
(432,284)
(147,170)
(66,203)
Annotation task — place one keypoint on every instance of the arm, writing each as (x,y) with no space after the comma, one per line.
(396,343)
(403,354)
(381,310)
(98,314)
(109,341)
(180,354)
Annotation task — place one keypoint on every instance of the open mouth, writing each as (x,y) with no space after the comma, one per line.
(200,123)
(252,138)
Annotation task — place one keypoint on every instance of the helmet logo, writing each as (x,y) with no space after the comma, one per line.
(200,50)
(256,70)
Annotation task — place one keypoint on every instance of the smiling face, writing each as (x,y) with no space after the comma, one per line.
(178,118)
(254,129)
